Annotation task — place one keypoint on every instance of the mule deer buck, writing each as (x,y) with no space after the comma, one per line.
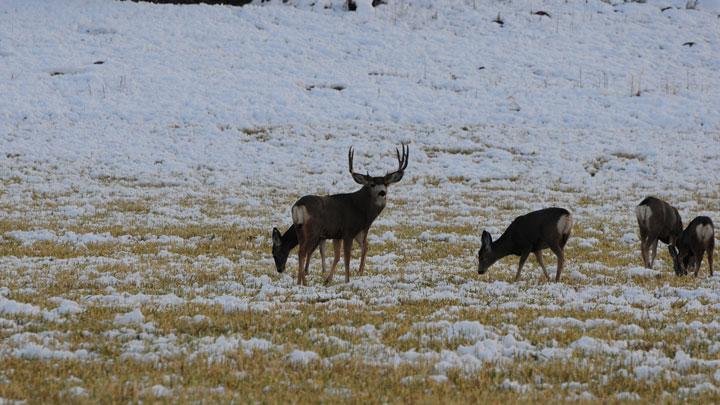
(697,239)
(530,233)
(340,217)
(657,220)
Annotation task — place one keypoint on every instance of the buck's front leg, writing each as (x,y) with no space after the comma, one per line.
(361,239)
(348,252)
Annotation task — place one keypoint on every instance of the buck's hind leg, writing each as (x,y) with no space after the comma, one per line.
(336,247)
(347,245)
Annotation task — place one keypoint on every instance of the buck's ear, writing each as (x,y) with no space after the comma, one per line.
(486,239)
(277,238)
(360,178)
(394,177)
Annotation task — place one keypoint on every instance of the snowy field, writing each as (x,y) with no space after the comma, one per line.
(147,151)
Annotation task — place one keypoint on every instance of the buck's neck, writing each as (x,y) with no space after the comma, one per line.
(368,204)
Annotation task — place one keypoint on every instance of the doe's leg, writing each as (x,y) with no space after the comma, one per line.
(307,265)
(301,263)
(698,262)
(645,252)
(322,255)
(538,256)
(710,259)
(654,253)
(523,257)
(560,253)
(644,245)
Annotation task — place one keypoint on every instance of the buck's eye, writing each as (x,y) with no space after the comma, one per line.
(382,193)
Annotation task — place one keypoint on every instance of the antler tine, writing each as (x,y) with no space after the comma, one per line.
(351,153)
(407,155)
(403,160)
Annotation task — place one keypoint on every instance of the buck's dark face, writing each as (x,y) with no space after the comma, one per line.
(378,190)
(378,186)
(279,254)
(485,256)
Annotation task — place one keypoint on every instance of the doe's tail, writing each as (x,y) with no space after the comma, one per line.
(643,214)
(299,216)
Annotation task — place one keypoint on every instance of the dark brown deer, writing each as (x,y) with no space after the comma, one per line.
(530,233)
(657,220)
(697,239)
(284,243)
(340,217)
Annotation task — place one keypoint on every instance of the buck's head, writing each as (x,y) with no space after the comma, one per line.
(378,186)
(280,253)
(485,255)
(681,259)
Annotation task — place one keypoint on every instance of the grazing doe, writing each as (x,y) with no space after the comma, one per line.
(340,217)
(530,233)
(697,239)
(283,243)
(657,220)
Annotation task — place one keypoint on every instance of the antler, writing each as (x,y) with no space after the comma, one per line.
(390,177)
(351,153)
(359,178)
(403,161)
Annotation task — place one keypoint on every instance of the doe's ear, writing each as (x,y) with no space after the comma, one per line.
(360,178)
(486,240)
(277,238)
